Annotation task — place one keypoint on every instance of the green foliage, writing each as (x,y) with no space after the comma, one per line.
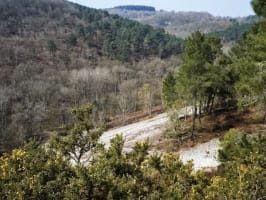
(196,78)
(51,46)
(33,173)
(235,31)
(202,78)
(230,145)
(111,35)
(136,8)
(168,91)
(45,172)
(140,152)
(259,7)
(82,140)
(38,172)
(243,167)
(123,39)
(250,68)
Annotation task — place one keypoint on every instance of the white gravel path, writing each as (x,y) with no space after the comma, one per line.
(148,129)
(203,155)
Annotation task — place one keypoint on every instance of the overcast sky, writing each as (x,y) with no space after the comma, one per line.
(232,8)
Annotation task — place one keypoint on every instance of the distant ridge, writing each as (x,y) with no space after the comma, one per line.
(136,8)
(183,23)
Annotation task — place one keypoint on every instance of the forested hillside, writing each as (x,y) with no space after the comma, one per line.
(182,24)
(38,86)
(56,55)
(236,29)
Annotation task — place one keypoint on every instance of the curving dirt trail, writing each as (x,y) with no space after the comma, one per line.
(203,155)
(147,129)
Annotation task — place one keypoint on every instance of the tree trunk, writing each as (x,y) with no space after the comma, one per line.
(264,117)
(80,156)
(194,120)
(212,104)
(199,116)
(209,102)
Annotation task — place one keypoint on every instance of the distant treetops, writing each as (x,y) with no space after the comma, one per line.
(136,8)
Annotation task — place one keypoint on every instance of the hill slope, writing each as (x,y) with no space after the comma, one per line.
(183,24)
(56,55)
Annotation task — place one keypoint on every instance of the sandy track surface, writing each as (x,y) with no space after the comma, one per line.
(203,155)
(148,129)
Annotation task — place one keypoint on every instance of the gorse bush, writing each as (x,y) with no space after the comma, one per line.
(35,172)
(51,171)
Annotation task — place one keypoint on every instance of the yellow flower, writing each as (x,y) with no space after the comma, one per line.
(18,154)
(243,169)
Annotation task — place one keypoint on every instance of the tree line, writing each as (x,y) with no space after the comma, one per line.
(209,79)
